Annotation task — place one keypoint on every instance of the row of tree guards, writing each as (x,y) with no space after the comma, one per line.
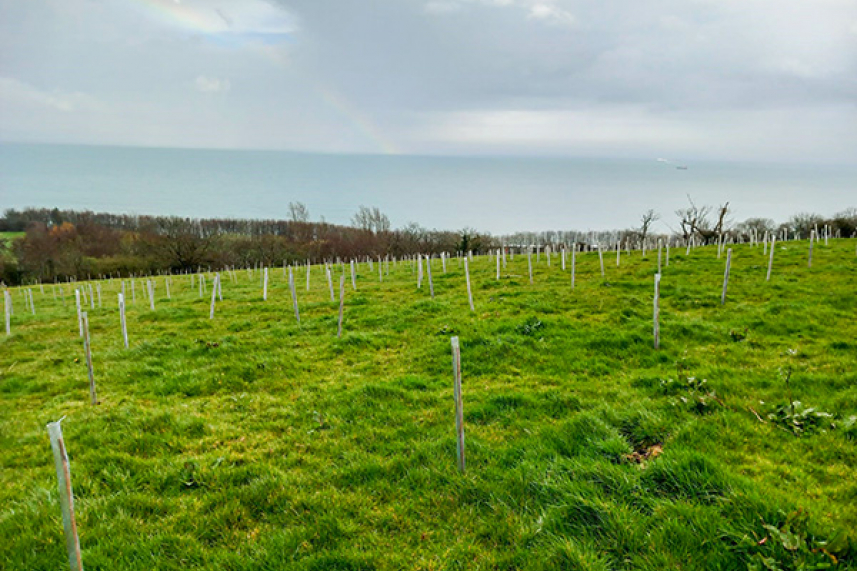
(417,264)
(81,297)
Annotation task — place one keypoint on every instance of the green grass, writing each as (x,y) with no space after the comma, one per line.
(248,442)
(7,237)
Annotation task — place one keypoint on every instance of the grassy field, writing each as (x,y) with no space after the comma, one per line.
(7,237)
(249,442)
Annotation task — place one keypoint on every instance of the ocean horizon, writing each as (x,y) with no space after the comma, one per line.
(497,194)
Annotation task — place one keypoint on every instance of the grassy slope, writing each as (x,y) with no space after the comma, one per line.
(248,442)
(9,236)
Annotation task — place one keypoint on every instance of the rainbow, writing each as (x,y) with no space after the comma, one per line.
(359,123)
(217,25)
(177,14)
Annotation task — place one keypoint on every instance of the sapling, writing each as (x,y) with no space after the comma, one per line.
(657,311)
(469,291)
(726,276)
(61,465)
(341,304)
(459,406)
(428,269)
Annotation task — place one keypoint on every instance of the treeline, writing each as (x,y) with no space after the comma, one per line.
(63,244)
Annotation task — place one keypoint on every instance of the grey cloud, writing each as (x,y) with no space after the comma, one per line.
(441,76)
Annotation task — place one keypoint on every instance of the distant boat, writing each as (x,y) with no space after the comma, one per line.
(669,162)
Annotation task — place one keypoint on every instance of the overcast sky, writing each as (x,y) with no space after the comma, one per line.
(719,79)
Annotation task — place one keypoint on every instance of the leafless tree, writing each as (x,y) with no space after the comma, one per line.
(694,221)
(298,212)
(371,219)
(649,217)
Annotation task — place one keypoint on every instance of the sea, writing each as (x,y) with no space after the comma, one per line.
(500,195)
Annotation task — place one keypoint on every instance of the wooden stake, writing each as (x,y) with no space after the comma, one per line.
(61,464)
(459,405)
(726,275)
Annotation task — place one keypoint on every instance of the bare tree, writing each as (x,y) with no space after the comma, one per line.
(694,221)
(298,212)
(647,219)
(371,219)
